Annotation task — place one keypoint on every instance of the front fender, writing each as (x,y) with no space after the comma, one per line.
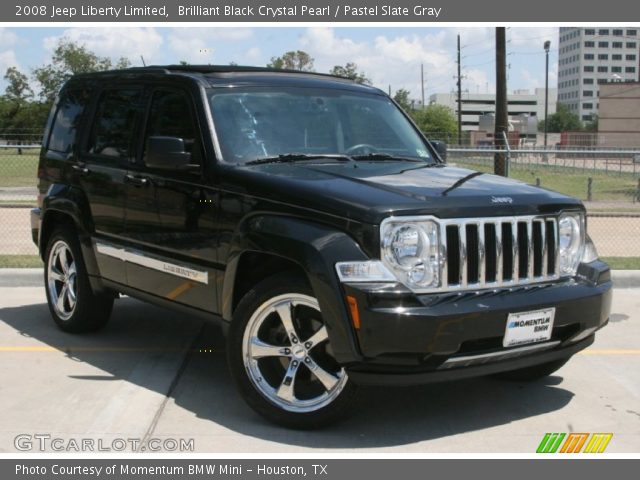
(315,248)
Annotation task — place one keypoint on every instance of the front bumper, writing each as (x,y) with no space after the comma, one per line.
(407,339)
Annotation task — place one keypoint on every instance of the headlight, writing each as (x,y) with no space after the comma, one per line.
(411,251)
(571,240)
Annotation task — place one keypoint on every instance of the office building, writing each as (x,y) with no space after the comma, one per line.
(590,57)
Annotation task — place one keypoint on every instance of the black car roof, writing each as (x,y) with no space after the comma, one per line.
(226,75)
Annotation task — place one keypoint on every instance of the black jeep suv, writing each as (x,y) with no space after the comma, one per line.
(311,217)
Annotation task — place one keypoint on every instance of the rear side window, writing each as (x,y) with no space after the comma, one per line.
(67,120)
(113,133)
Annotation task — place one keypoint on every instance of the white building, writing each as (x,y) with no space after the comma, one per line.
(589,57)
(475,105)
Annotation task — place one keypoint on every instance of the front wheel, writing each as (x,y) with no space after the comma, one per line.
(281,359)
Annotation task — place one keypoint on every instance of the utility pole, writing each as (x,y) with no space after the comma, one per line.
(459,97)
(422,81)
(547,45)
(389,89)
(502,119)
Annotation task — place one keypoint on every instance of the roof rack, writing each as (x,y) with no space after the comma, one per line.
(224,69)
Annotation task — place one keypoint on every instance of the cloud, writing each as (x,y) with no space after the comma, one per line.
(8,59)
(7,37)
(396,59)
(387,60)
(200,45)
(129,42)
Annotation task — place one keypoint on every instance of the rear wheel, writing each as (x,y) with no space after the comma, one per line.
(72,303)
(281,359)
(533,373)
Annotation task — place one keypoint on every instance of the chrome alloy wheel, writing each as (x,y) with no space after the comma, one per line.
(287,355)
(62,280)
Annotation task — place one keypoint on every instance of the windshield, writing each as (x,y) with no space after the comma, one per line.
(259,123)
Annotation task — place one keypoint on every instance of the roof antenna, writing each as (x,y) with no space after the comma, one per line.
(142,58)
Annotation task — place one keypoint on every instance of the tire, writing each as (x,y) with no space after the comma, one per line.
(73,305)
(276,340)
(535,372)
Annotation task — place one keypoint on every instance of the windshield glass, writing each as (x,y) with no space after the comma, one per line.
(255,123)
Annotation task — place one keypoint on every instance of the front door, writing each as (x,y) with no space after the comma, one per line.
(170,213)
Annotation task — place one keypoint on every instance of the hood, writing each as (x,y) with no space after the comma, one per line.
(371,191)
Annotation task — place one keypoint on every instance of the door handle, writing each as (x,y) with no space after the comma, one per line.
(136,180)
(81,169)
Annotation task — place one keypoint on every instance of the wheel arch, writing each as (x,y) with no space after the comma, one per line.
(67,207)
(269,244)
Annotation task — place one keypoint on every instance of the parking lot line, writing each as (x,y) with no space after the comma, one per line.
(611,351)
(46,348)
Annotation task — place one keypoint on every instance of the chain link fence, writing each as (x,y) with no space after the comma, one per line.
(18,192)
(608,181)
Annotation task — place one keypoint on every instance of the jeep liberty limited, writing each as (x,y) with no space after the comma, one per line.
(310,216)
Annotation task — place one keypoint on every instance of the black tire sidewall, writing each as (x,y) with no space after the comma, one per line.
(278,285)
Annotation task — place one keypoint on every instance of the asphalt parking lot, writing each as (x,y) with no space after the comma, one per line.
(155,374)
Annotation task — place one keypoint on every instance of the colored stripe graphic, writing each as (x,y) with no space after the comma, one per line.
(598,443)
(550,442)
(574,443)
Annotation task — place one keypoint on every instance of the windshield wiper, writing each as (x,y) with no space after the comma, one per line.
(385,156)
(298,157)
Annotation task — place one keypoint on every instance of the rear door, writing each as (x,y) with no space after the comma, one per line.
(101,169)
(171,213)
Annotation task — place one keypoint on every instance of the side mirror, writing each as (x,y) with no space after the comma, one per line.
(441,148)
(168,153)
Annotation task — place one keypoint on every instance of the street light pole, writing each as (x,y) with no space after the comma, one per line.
(547,44)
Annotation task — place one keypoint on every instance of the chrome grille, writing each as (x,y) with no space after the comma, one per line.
(499,251)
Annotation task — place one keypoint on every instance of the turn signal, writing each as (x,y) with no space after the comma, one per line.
(353,310)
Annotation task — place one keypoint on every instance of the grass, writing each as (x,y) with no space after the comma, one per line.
(20,261)
(622,263)
(19,170)
(570,181)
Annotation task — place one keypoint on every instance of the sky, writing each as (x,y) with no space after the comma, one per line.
(389,56)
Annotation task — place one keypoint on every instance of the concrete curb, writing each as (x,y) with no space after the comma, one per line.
(33,277)
(21,277)
(626,278)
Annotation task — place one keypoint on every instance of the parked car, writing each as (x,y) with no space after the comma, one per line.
(309,216)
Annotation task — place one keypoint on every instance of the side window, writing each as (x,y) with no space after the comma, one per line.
(170,116)
(68,116)
(113,133)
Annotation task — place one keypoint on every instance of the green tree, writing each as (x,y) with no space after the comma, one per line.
(18,89)
(70,58)
(592,125)
(402,98)
(298,60)
(18,111)
(350,70)
(436,119)
(562,121)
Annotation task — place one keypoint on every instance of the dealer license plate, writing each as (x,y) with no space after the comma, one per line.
(529,327)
